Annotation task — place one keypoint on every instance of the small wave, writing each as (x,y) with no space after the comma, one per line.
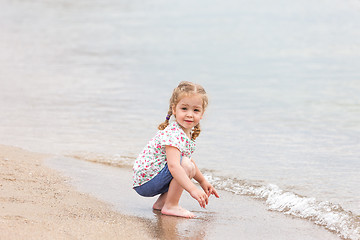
(116,160)
(331,216)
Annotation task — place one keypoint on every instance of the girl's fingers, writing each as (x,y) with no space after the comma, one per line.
(203,201)
(208,192)
(215,193)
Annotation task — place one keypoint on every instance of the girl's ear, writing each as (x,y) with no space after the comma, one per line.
(173,108)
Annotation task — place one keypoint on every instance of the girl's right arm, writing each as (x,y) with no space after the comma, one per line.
(179,174)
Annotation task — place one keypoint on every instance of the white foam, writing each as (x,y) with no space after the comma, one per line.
(115,160)
(331,216)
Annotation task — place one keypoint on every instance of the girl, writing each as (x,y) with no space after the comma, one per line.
(165,166)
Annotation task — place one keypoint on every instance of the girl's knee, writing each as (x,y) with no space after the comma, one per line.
(188,166)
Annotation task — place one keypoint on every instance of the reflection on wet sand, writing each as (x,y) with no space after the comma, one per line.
(169,227)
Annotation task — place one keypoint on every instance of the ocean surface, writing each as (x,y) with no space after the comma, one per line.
(91,80)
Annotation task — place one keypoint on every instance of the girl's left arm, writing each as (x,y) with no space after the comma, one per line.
(199,177)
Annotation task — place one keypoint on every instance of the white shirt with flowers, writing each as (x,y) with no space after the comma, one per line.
(153,158)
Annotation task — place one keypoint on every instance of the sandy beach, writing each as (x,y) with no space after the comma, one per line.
(37,203)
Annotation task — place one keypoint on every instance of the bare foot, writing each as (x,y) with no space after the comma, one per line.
(177,211)
(158,205)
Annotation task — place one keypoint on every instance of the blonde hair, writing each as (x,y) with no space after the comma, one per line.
(185,89)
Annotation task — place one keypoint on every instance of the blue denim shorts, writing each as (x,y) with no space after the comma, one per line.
(158,185)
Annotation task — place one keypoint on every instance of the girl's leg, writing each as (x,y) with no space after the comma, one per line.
(171,199)
(158,205)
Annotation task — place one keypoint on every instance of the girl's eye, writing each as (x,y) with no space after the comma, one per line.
(183,109)
(197,110)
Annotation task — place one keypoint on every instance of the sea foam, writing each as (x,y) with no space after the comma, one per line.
(329,215)
(324,213)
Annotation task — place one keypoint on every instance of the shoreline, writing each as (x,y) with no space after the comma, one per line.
(231,216)
(37,202)
(54,197)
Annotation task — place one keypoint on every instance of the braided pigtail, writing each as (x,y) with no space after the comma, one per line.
(163,125)
(196,132)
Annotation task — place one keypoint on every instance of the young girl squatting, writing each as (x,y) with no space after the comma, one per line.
(165,165)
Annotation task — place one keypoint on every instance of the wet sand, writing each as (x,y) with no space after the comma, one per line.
(82,200)
(38,203)
(230,217)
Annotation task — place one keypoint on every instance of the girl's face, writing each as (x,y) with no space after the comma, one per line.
(188,112)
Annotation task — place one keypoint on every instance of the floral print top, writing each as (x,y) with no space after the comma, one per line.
(153,158)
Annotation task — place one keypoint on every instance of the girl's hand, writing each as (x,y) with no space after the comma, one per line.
(200,196)
(209,189)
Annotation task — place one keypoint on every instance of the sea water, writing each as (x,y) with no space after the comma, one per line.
(92,80)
